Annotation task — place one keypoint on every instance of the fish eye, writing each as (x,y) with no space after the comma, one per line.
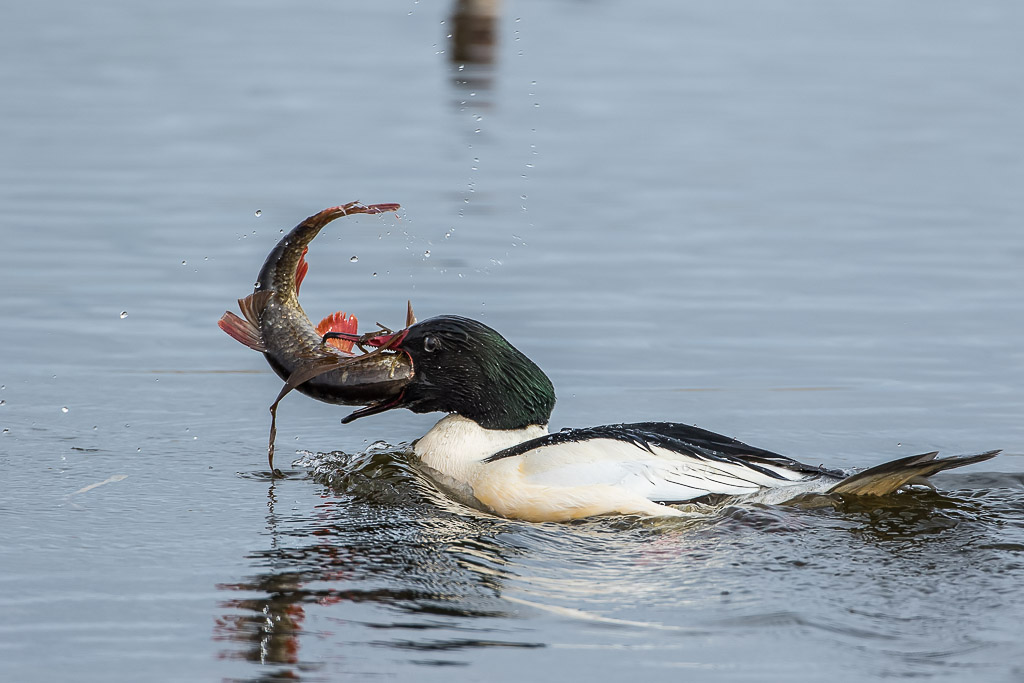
(430,344)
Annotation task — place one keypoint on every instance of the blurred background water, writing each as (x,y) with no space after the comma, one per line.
(798,223)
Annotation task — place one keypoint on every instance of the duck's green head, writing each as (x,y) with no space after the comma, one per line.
(463,366)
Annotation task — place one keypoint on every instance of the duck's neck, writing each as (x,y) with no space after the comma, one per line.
(456,445)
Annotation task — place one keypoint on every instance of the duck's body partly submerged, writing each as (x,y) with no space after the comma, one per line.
(633,469)
(494,445)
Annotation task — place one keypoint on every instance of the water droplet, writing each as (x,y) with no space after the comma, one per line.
(375,275)
(183,262)
(258,213)
(3,402)
(426,254)
(256,284)
(138,450)
(447,235)
(124,314)
(522,196)
(6,431)
(64,409)
(354,259)
(898,444)
(477,130)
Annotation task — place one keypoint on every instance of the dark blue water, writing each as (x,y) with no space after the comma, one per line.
(798,224)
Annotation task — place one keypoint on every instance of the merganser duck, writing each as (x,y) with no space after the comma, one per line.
(494,445)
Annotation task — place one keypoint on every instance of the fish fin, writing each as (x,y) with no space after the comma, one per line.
(339,322)
(301,270)
(303,373)
(889,477)
(242,331)
(252,306)
(410,317)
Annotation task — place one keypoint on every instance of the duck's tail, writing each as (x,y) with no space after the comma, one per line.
(888,477)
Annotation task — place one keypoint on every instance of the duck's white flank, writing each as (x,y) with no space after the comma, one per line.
(456,445)
(580,478)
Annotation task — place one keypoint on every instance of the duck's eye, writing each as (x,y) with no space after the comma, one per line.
(430,344)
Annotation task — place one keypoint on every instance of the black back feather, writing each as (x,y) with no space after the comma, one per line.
(679,438)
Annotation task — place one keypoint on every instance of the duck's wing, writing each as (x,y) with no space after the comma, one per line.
(714,446)
(662,461)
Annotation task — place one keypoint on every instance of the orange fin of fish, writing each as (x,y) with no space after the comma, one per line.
(301,270)
(241,330)
(339,322)
(247,331)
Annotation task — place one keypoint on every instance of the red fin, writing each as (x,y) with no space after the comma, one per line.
(241,330)
(301,270)
(339,322)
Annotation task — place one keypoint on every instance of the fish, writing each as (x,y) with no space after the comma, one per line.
(327,369)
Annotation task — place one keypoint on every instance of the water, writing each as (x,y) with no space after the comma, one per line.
(798,224)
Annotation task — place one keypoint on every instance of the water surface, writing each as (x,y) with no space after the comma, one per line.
(797,224)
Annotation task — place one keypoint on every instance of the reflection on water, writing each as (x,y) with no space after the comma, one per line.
(475,32)
(473,53)
(397,552)
(385,563)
